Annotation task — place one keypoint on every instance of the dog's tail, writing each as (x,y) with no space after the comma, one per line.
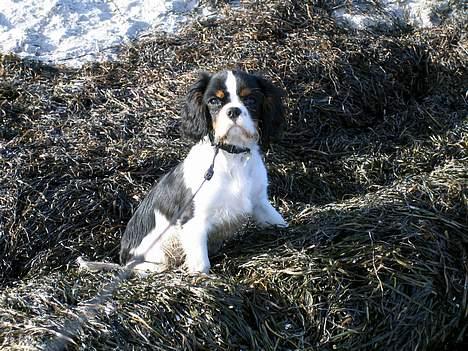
(97,266)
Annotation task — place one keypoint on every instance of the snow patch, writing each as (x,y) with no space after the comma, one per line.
(73,32)
(391,14)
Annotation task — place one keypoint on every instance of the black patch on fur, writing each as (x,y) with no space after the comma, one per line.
(169,196)
(272,121)
(195,118)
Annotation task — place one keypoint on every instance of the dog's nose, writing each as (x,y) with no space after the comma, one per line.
(233,113)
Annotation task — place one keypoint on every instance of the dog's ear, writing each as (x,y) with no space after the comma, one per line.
(195,117)
(272,120)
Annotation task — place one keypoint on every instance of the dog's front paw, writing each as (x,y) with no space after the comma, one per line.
(278,224)
(277,221)
(266,216)
(282,224)
(198,267)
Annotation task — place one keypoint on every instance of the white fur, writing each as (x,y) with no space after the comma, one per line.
(231,86)
(152,246)
(235,132)
(238,190)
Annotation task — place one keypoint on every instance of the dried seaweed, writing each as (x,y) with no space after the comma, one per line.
(371,175)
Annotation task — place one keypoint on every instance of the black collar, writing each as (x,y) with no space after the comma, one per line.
(232,149)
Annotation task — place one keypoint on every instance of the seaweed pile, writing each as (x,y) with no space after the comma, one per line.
(371,176)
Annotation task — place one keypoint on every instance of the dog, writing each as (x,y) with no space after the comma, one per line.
(230,115)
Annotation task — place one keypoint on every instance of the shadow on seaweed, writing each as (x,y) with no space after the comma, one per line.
(62,209)
(354,135)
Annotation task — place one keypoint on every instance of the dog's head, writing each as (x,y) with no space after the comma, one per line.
(235,107)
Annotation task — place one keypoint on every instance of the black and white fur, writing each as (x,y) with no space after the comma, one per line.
(229,108)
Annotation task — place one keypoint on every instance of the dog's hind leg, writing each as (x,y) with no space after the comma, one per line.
(194,240)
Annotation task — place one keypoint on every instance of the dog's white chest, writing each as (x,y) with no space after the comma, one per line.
(227,199)
(234,186)
(229,193)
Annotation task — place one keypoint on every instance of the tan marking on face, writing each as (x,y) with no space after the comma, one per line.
(220,94)
(245,92)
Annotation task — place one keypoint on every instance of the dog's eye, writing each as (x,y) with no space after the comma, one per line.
(214,101)
(250,100)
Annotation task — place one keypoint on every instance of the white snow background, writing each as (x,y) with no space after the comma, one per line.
(73,32)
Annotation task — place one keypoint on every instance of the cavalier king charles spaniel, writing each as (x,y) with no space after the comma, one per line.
(230,115)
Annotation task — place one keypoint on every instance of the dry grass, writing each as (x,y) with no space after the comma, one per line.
(371,175)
